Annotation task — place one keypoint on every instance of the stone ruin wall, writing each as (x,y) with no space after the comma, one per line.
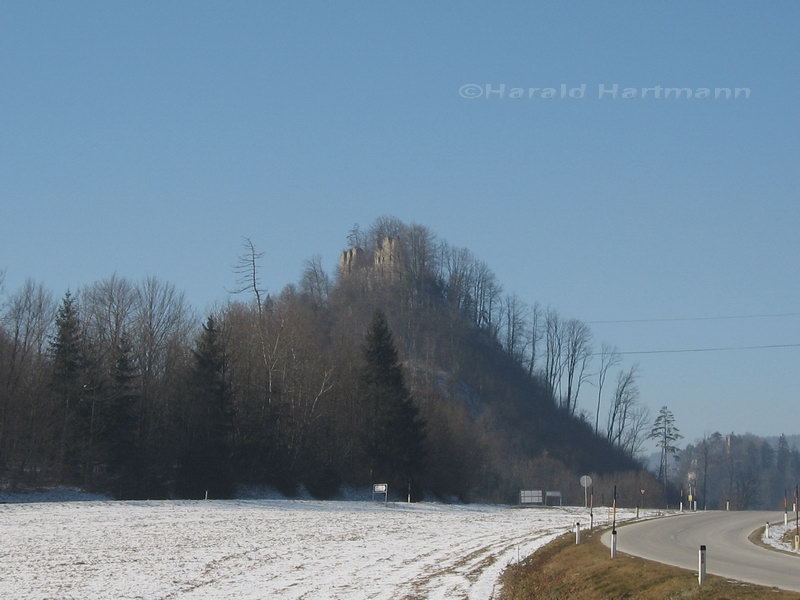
(388,261)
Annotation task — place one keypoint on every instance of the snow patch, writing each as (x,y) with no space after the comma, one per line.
(775,539)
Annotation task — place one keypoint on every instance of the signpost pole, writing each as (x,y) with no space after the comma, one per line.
(614,507)
(614,526)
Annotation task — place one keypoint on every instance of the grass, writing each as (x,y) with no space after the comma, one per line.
(562,570)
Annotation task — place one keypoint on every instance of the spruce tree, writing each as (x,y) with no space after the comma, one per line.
(206,462)
(68,387)
(395,434)
(118,428)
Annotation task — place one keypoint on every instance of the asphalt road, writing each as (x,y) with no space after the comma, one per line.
(676,541)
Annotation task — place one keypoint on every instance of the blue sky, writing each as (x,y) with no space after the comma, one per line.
(149,137)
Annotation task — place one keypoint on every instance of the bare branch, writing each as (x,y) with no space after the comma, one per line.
(247,270)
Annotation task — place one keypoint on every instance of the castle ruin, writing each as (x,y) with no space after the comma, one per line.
(388,261)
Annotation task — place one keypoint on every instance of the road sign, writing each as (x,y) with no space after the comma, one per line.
(531,497)
(381,488)
(554,496)
(586,481)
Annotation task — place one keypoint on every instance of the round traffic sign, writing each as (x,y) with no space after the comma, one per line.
(586,481)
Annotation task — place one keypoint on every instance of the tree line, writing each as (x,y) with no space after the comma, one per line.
(412,367)
(740,471)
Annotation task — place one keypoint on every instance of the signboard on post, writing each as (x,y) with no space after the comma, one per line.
(531,497)
(586,482)
(381,488)
(554,496)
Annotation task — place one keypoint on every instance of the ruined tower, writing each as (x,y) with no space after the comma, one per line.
(351,260)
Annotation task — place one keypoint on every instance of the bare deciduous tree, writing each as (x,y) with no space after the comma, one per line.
(107,312)
(422,255)
(577,354)
(625,396)
(515,313)
(534,336)
(27,322)
(554,348)
(609,358)
(315,282)
(357,238)
(485,296)
(638,424)
(247,271)
(269,327)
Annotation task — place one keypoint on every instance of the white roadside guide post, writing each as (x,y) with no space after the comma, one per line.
(786,508)
(796,519)
(577,533)
(701,569)
(586,482)
(766,530)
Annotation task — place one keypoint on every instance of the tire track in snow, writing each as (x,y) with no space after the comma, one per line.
(457,576)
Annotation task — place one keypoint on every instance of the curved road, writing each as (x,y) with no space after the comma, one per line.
(676,541)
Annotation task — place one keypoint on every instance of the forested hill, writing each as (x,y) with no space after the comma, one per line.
(408,365)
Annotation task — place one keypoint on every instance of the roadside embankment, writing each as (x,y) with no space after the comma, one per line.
(563,570)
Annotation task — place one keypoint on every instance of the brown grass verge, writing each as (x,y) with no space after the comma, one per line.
(562,570)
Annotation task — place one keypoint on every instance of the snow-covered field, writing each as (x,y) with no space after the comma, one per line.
(267,549)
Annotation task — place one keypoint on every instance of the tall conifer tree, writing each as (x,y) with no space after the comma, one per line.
(118,430)
(68,386)
(206,464)
(395,433)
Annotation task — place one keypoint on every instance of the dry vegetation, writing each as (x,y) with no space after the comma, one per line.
(563,570)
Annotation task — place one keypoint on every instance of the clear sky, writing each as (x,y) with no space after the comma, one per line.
(149,137)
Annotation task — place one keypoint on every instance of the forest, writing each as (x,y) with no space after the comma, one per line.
(408,365)
(741,472)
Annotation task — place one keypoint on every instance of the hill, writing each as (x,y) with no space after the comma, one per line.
(119,390)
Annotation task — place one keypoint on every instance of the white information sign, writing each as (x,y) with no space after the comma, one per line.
(531,497)
(381,488)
